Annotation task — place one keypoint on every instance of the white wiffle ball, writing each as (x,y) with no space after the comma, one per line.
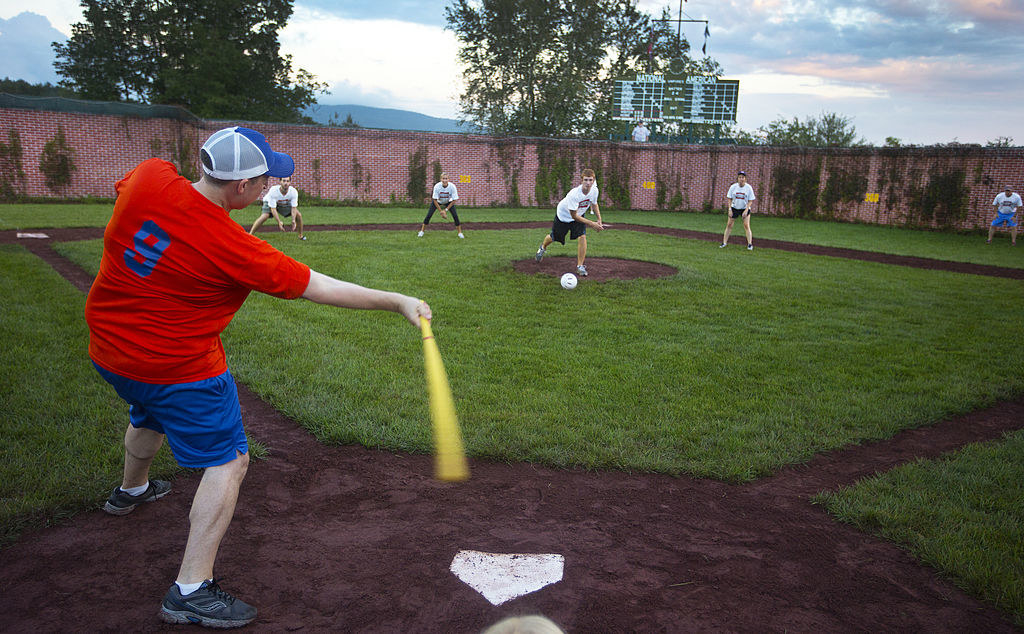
(569,281)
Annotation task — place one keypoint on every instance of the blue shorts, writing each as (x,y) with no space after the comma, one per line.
(202,419)
(1004,219)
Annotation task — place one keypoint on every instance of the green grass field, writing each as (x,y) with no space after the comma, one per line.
(963,515)
(740,364)
(958,247)
(727,370)
(62,424)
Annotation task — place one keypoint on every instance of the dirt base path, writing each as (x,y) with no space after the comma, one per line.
(348,539)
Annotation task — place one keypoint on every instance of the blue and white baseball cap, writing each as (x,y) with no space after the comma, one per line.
(233,154)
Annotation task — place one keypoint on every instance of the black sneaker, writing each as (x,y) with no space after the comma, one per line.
(208,606)
(120,503)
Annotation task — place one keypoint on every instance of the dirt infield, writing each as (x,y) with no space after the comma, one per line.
(352,540)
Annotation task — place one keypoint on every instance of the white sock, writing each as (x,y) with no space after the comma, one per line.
(187,588)
(139,490)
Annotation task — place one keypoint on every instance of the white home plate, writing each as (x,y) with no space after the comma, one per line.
(32,235)
(500,577)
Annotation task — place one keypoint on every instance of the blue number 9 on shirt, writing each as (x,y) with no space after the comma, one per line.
(150,243)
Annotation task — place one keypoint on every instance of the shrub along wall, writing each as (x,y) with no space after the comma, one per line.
(943,188)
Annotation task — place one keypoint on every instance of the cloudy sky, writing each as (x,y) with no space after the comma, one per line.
(924,71)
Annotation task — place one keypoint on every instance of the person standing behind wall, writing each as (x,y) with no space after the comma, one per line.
(641,133)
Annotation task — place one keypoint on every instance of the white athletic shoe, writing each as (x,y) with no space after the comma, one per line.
(461,236)
(419,235)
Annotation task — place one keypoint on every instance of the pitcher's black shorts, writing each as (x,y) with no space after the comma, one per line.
(575,229)
(736,213)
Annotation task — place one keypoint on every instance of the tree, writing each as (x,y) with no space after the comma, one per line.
(336,122)
(513,53)
(22,87)
(832,129)
(12,173)
(218,58)
(57,161)
(891,141)
(547,67)
(1000,141)
(639,44)
(828,130)
(742,137)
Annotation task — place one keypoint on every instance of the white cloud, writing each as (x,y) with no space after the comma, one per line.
(395,64)
(781,83)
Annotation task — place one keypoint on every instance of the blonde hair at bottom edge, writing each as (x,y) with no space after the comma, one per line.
(533,624)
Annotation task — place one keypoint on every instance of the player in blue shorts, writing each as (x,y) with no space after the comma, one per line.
(164,293)
(1006,204)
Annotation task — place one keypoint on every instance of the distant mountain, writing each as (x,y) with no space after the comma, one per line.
(385,118)
(25,48)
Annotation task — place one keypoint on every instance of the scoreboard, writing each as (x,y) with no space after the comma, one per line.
(640,99)
(695,99)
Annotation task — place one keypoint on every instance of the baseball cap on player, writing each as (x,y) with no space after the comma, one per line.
(741,174)
(236,153)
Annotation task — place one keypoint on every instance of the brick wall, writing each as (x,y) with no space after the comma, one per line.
(929,187)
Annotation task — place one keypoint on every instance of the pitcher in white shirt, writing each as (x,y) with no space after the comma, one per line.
(569,219)
(741,196)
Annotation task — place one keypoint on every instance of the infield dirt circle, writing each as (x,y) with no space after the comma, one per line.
(346,539)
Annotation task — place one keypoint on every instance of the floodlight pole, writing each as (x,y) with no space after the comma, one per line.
(679,27)
(679,34)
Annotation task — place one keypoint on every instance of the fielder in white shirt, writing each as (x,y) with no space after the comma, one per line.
(1006,204)
(443,200)
(281,200)
(741,196)
(569,219)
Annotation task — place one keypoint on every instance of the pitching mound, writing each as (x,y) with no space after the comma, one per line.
(599,269)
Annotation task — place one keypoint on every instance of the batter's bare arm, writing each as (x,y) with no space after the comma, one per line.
(323,289)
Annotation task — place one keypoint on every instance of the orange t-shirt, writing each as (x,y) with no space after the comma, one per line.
(175,270)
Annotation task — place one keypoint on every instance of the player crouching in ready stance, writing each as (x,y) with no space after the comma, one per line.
(1006,205)
(569,218)
(281,200)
